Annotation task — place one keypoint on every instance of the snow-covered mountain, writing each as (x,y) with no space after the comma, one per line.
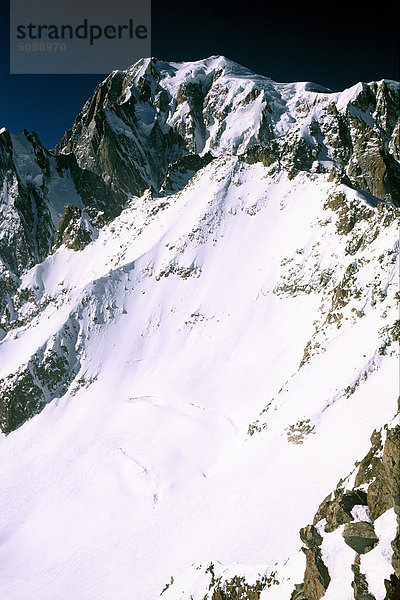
(198,364)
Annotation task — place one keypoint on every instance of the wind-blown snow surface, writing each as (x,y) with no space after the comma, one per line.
(145,469)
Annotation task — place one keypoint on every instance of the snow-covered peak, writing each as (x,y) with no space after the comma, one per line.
(216,105)
(187,70)
(160,111)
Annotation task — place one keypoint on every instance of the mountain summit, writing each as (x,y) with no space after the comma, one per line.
(155,113)
(198,329)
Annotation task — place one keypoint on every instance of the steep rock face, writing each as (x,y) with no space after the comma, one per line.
(371,167)
(73,230)
(47,374)
(36,186)
(26,227)
(116,134)
(316,577)
(26,220)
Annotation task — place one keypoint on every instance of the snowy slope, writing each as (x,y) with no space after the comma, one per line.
(205,371)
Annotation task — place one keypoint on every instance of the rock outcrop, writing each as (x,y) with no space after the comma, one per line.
(375,490)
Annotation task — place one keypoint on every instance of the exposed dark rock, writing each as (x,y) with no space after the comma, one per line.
(337,507)
(182,170)
(9,284)
(360,536)
(109,139)
(384,490)
(27,223)
(237,588)
(45,376)
(94,193)
(73,231)
(27,228)
(267,154)
(349,213)
(192,93)
(316,575)
(21,398)
(299,156)
(392,587)
(369,466)
(299,431)
(251,96)
(371,167)
(298,592)
(360,584)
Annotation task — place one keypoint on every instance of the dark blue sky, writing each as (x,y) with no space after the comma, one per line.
(329,44)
